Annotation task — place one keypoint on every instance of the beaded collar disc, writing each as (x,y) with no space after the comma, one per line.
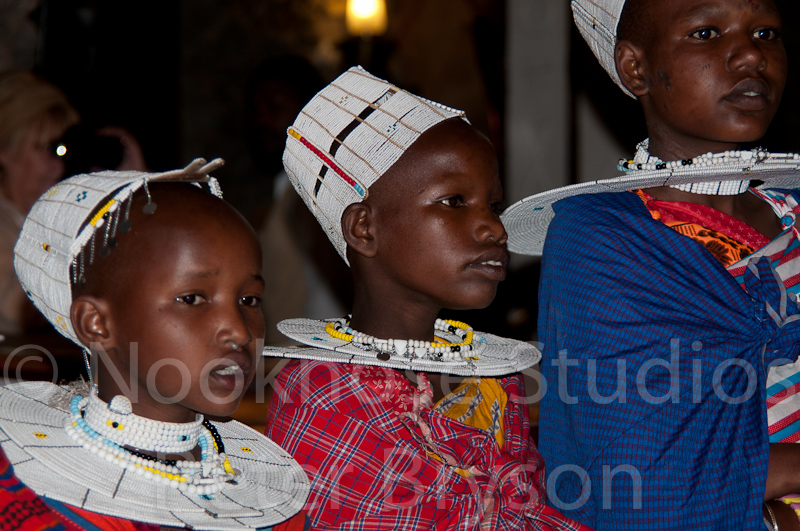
(526,221)
(268,486)
(477,353)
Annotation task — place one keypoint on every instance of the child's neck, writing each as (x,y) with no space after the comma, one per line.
(387,317)
(143,405)
(669,148)
(745,207)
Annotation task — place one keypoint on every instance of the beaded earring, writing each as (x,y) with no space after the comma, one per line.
(88,366)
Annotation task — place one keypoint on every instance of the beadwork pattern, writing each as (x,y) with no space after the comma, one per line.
(349,135)
(75,222)
(109,435)
(340,329)
(457,350)
(267,487)
(527,220)
(597,22)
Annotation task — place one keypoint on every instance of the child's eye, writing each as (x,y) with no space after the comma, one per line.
(454,201)
(498,207)
(251,301)
(766,34)
(191,300)
(705,34)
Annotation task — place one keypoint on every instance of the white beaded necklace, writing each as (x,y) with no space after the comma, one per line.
(644,161)
(97,427)
(410,348)
(116,422)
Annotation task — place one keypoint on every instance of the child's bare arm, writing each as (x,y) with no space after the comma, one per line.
(783,474)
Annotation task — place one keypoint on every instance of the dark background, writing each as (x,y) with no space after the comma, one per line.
(173,73)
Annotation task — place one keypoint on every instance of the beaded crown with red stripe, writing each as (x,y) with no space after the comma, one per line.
(347,137)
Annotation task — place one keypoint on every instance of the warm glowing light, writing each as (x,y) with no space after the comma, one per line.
(365,8)
(366,17)
(61,150)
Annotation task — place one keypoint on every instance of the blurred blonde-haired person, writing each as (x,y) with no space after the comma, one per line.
(34,114)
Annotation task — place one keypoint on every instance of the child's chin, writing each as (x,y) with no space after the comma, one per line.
(222,407)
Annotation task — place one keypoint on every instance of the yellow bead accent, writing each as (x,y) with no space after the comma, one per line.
(163,474)
(53,191)
(331,329)
(46,247)
(40,435)
(246,449)
(462,326)
(227,466)
(101,212)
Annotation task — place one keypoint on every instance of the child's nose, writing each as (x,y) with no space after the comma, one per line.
(491,228)
(746,53)
(233,327)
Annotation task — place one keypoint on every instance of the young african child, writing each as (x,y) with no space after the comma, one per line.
(678,290)
(161,281)
(408,193)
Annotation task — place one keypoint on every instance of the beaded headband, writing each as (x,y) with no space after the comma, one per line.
(347,137)
(77,220)
(597,22)
(526,221)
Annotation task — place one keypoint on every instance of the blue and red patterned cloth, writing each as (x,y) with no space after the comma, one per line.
(656,362)
(23,510)
(379,459)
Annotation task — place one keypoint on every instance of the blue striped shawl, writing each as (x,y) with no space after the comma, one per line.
(687,446)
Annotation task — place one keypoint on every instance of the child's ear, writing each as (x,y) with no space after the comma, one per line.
(358,230)
(90,319)
(629,59)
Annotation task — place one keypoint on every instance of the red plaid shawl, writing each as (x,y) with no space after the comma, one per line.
(370,467)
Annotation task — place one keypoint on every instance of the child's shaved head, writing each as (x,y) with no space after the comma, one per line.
(635,22)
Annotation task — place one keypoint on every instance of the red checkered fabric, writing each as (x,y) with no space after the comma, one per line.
(373,467)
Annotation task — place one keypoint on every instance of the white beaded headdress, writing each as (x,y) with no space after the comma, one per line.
(59,238)
(597,22)
(347,137)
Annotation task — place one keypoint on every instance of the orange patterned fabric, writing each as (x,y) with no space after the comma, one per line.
(724,236)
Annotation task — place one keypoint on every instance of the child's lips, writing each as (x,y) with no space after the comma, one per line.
(231,374)
(491,265)
(749,95)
